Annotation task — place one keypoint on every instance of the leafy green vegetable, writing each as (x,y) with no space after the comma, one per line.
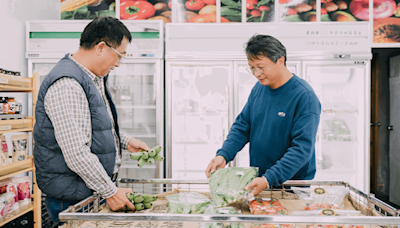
(262,2)
(231,13)
(233,4)
(84,13)
(187,203)
(227,185)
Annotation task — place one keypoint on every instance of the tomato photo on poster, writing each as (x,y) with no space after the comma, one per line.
(386,27)
(146,10)
(86,10)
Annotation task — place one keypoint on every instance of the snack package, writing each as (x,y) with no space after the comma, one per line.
(227,184)
(322,197)
(330,212)
(24,186)
(20,147)
(267,206)
(6,203)
(7,185)
(3,151)
(187,203)
(213,210)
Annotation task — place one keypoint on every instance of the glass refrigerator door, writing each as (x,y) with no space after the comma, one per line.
(244,83)
(340,144)
(42,66)
(198,111)
(135,91)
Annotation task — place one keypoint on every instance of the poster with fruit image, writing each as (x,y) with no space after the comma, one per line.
(297,10)
(86,9)
(198,11)
(145,10)
(386,28)
(260,11)
(345,10)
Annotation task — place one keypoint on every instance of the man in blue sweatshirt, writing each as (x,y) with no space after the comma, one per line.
(279,120)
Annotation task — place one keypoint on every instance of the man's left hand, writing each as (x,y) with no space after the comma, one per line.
(258,185)
(135,145)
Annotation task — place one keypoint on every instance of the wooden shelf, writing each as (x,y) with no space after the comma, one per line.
(19,125)
(15,214)
(16,168)
(16,81)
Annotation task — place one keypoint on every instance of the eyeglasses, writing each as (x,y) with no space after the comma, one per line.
(258,70)
(121,56)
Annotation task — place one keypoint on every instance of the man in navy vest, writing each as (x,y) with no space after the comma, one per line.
(280,120)
(77,139)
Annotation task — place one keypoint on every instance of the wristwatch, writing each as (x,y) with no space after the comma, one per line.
(263,177)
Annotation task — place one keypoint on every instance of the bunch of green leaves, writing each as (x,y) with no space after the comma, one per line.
(83,13)
(227,185)
(187,203)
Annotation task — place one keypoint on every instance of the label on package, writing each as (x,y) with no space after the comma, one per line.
(319,191)
(3,81)
(5,127)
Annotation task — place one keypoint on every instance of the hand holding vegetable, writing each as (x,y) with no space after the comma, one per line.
(258,185)
(149,156)
(216,163)
(135,145)
(141,201)
(119,200)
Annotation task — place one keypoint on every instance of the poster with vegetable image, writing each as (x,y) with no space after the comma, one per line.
(345,10)
(86,9)
(297,10)
(146,10)
(260,11)
(386,28)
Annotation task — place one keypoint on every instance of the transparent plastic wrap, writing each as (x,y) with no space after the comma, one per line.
(267,206)
(6,203)
(213,210)
(330,212)
(227,184)
(316,198)
(187,203)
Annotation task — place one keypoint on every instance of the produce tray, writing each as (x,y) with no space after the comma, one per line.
(90,212)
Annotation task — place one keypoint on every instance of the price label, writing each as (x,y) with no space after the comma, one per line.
(3,81)
(5,127)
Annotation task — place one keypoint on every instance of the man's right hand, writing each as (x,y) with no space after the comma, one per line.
(216,163)
(119,200)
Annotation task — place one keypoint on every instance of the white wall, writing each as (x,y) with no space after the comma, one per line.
(13,15)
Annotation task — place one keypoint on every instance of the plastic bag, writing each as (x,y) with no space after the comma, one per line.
(7,185)
(20,149)
(187,203)
(213,210)
(227,184)
(3,151)
(6,203)
(267,206)
(330,212)
(23,186)
(321,198)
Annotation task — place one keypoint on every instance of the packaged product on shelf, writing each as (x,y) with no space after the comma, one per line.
(6,106)
(20,149)
(6,203)
(213,210)
(7,185)
(316,198)
(11,102)
(3,151)
(187,203)
(1,106)
(18,107)
(330,212)
(267,206)
(24,186)
(227,184)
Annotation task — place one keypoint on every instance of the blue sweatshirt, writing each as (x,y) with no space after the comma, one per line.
(280,125)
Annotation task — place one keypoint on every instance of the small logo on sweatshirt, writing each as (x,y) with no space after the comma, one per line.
(281,114)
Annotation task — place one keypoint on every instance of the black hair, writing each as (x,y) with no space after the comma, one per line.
(265,45)
(107,29)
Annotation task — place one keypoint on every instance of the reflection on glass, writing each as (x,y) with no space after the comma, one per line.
(298,10)
(199,117)
(43,69)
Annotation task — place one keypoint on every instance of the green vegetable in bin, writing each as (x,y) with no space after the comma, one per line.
(148,156)
(149,198)
(139,206)
(187,203)
(227,184)
(138,198)
(130,196)
(147,205)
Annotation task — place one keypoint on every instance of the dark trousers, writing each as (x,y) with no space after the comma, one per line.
(55,206)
